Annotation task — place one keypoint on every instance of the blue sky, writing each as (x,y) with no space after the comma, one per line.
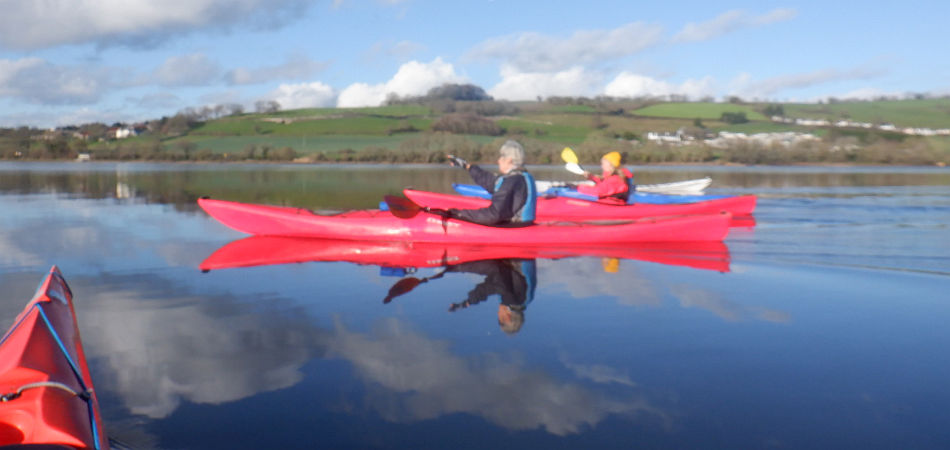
(77,61)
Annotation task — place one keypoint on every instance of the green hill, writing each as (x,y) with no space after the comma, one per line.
(699,110)
(411,132)
(928,113)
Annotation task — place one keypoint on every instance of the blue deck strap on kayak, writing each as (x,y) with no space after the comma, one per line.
(87,395)
(383,206)
(571,193)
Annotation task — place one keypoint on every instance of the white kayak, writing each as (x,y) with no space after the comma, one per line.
(688,187)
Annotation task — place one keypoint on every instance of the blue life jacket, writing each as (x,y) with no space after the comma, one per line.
(528,210)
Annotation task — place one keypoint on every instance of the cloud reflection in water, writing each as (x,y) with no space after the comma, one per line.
(163,347)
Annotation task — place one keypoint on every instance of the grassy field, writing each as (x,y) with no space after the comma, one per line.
(758,127)
(396,111)
(553,128)
(698,110)
(928,113)
(332,125)
(302,144)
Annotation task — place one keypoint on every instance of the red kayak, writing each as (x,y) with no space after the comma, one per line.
(268,250)
(46,391)
(563,208)
(376,225)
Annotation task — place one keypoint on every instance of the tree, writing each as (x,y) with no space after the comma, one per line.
(266,106)
(178,125)
(733,117)
(234,109)
(774,110)
(468,92)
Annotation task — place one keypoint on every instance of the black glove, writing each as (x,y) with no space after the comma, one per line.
(456,161)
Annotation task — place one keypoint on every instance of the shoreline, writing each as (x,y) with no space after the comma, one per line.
(423,164)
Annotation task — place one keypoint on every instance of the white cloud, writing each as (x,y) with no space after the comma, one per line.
(535,52)
(194,350)
(297,67)
(730,21)
(362,94)
(412,78)
(516,85)
(597,373)
(195,69)
(303,95)
(634,85)
(744,85)
(37,81)
(419,378)
(691,297)
(39,24)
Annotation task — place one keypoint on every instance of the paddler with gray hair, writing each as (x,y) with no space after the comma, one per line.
(513,194)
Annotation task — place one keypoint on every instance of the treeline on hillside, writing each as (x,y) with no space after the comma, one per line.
(457,99)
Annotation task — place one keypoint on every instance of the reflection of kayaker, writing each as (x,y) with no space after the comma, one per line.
(513,280)
(513,196)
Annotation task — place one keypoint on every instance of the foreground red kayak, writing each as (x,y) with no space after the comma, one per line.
(45,387)
(268,250)
(376,225)
(562,208)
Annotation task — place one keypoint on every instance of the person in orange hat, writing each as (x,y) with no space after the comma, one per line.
(613,186)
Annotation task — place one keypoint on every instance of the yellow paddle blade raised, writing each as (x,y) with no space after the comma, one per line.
(568,155)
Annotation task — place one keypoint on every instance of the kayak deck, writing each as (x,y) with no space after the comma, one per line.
(44,379)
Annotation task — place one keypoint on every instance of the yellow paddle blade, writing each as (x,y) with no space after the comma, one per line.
(568,155)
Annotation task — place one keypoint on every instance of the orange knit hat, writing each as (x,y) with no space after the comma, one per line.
(613,158)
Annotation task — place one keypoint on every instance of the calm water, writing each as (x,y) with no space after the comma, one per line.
(824,326)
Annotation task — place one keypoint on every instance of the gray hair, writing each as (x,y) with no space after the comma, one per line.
(513,150)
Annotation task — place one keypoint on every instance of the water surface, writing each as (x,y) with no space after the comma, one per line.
(824,326)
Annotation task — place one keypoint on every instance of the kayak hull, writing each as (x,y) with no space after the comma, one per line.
(270,250)
(43,347)
(560,208)
(376,225)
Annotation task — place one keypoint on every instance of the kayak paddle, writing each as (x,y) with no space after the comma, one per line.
(569,156)
(405,285)
(404,208)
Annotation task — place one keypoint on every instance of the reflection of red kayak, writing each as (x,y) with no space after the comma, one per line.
(426,227)
(44,377)
(563,208)
(266,250)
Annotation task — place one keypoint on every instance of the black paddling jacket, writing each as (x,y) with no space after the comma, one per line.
(513,200)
